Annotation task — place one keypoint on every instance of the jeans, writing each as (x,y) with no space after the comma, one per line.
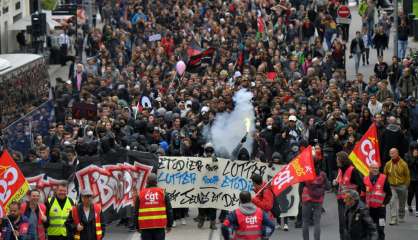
(402,46)
(379,51)
(376,214)
(153,234)
(331,164)
(341,218)
(365,55)
(309,209)
(397,203)
(357,59)
(413,191)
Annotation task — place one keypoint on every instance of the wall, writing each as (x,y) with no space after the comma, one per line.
(9,15)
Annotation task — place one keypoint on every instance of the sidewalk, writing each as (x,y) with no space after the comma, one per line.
(368,70)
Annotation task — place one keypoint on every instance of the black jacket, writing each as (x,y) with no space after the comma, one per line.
(380,40)
(413,166)
(358,223)
(392,137)
(395,73)
(89,231)
(381,70)
(403,32)
(354,43)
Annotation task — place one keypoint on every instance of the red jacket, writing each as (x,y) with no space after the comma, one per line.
(264,200)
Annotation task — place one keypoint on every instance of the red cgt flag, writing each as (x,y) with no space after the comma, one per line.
(13,185)
(366,151)
(260,24)
(300,169)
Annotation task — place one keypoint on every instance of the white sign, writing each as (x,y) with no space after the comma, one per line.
(201,182)
(340,20)
(155,37)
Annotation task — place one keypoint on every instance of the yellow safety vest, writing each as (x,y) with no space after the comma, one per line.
(57,217)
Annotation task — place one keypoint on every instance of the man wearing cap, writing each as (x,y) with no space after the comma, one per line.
(155,215)
(86,219)
(358,223)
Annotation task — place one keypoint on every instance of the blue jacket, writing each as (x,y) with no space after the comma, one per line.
(6,229)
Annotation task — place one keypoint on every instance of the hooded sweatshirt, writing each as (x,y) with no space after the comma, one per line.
(247,208)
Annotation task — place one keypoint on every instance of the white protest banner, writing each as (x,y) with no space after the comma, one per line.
(201,182)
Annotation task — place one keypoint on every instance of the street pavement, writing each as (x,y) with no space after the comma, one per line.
(329,228)
(329,222)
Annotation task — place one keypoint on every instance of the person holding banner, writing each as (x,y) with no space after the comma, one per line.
(312,199)
(248,221)
(155,215)
(397,172)
(86,218)
(36,214)
(378,195)
(348,178)
(210,213)
(14,226)
(265,198)
(58,210)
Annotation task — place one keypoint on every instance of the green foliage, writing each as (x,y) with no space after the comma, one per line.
(49,4)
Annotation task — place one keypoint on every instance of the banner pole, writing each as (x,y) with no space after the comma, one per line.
(11,225)
(267,184)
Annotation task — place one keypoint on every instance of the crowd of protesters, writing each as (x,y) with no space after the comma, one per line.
(289,54)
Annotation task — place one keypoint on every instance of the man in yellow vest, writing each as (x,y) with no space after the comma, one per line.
(58,209)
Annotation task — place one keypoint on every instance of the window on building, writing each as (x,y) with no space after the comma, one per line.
(5,10)
(17,17)
(17,5)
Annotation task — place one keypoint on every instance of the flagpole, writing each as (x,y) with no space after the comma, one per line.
(264,187)
(13,230)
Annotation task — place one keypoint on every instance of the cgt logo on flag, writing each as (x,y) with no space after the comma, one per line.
(13,185)
(366,151)
(300,169)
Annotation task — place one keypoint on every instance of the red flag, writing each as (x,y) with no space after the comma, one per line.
(2,212)
(300,169)
(240,59)
(260,24)
(366,151)
(13,184)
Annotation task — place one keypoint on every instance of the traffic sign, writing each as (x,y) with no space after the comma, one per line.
(343,11)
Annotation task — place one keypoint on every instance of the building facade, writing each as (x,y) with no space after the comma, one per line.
(11,11)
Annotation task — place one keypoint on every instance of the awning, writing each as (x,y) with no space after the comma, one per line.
(22,23)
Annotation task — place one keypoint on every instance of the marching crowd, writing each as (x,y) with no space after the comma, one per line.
(290,54)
